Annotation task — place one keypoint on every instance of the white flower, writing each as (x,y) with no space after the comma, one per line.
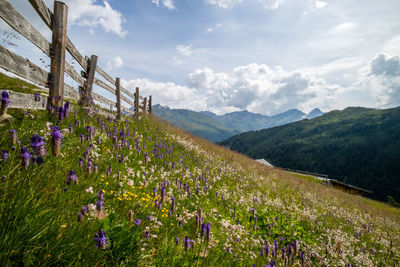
(91,207)
(90,190)
(130,182)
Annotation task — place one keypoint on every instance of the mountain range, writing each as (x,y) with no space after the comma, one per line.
(357,145)
(216,128)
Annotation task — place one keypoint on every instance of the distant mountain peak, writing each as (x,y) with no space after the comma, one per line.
(316,112)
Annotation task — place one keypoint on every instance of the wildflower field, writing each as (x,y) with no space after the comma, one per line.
(77,188)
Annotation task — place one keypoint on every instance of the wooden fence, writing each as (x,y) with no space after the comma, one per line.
(56,50)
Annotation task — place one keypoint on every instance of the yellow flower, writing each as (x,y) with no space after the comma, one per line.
(120,199)
(107,183)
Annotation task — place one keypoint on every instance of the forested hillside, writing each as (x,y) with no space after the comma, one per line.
(358,145)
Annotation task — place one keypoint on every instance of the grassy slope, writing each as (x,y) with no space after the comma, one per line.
(38,210)
(359,143)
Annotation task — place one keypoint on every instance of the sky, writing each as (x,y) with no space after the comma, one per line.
(264,56)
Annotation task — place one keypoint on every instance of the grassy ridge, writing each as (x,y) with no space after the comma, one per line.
(257,215)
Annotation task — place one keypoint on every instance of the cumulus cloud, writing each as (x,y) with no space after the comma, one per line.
(270,90)
(169,4)
(115,63)
(166,93)
(89,13)
(259,88)
(386,65)
(382,81)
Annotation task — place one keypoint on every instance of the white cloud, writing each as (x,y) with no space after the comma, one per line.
(224,3)
(115,63)
(343,27)
(214,28)
(88,13)
(168,93)
(271,4)
(320,4)
(268,4)
(259,88)
(184,50)
(169,4)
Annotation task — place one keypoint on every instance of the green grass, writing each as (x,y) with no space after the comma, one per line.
(17,85)
(248,206)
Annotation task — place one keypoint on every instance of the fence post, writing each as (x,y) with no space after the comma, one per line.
(118,92)
(144,105)
(149,104)
(58,46)
(137,104)
(86,94)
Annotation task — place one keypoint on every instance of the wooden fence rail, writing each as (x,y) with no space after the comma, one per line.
(56,50)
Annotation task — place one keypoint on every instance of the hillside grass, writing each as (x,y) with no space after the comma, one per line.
(257,214)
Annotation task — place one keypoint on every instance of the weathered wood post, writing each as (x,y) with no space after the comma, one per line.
(149,104)
(58,46)
(144,105)
(118,92)
(86,91)
(137,104)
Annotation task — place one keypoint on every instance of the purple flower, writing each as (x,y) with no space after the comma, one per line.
(150,218)
(4,102)
(37,97)
(186,242)
(80,162)
(147,234)
(208,231)
(39,160)
(172,204)
(99,204)
(4,155)
(56,140)
(101,239)
(108,172)
(82,138)
(162,194)
(72,178)
(37,143)
(66,109)
(177,240)
(60,112)
(26,156)
(13,136)
(84,210)
(138,222)
(70,128)
(96,168)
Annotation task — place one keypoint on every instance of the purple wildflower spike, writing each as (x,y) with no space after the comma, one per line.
(138,222)
(72,178)
(4,102)
(26,156)
(208,231)
(186,242)
(60,112)
(66,109)
(163,194)
(56,140)
(84,210)
(4,155)
(177,240)
(172,204)
(101,239)
(37,97)
(38,144)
